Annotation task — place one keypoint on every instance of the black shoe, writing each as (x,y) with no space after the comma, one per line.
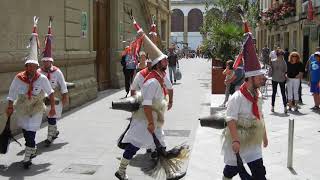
(117,174)
(26,165)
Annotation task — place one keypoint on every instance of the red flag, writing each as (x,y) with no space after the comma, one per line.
(238,61)
(310,11)
(135,46)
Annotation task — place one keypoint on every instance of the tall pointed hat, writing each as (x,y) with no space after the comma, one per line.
(153,30)
(251,63)
(155,54)
(32,57)
(47,53)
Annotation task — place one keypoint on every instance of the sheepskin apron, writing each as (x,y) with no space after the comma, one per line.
(138,134)
(57,94)
(29,108)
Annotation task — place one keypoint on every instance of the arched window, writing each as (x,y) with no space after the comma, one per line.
(177,21)
(195,20)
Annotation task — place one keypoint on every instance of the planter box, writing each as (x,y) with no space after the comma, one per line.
(217,63)
(217,80)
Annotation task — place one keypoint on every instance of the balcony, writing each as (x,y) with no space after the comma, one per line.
(279,15)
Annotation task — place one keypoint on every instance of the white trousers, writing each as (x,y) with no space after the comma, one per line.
(293,89)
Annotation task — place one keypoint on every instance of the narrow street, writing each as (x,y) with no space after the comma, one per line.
(86,147)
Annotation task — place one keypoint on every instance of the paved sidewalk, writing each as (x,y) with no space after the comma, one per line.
(207,162)
(86,148)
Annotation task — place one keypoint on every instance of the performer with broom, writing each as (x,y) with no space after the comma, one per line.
(57,82)
(246,130)
(149,119)
(25,98)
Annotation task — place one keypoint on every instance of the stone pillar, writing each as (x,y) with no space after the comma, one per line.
(116,38)
(185,30)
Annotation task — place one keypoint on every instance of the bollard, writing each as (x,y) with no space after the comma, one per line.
(290,143)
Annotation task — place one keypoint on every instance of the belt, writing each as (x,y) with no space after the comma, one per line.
(47,101)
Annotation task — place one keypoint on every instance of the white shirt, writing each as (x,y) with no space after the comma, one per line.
(273,54)
(19,87)
(57,80)
(139,80)
(240,107)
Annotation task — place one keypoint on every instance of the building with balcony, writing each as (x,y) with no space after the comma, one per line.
(284,23)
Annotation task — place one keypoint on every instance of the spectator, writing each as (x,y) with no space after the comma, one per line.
(286,55)
(294,74)
(237,79)
(229,72)
(314,68)
(142,64)
(173,64)
(273,54)
(265,55)
(128,66)
(278,74)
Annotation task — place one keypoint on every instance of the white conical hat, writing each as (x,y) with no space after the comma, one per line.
(32,57)
(47,53)
(153,51)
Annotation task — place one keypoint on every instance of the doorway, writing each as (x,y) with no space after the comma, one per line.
(101,41)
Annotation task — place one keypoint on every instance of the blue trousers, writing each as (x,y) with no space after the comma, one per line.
(130,151)
(52,121)
(257,169)
(29,137)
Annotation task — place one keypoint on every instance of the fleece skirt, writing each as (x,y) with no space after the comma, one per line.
(139,136)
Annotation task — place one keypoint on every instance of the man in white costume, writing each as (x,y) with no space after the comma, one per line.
(149,119)
(57,82)
(246,129)
(25,98)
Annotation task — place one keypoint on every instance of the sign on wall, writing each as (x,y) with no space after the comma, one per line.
(84,24)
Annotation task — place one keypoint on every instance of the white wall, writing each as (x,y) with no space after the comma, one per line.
(194,39)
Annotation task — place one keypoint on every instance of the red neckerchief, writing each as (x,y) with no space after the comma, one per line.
(254,100)
(157,76)
(23,77)
(51,70)
(144,72)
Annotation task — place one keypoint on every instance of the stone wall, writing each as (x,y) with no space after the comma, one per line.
(72,52)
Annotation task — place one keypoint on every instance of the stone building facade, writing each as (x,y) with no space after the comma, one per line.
(89,36)
(293,31)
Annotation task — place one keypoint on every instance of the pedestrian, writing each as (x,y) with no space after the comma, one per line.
(237,79)
(143,61)
(229,73)
(245,131)
(273,54)
(173,65)
(149,119)
(314,69)
(57,82)
(129,67)
(286,55)
(265,55)
(278,73)
(294,75)
(25,98)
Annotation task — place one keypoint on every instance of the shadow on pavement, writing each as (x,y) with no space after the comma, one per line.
(144,162)
(280,114)
(41,148)
(16,172)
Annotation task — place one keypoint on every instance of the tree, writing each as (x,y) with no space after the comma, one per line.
(222,29)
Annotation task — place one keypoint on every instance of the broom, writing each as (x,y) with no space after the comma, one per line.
(170,163)
(6,137)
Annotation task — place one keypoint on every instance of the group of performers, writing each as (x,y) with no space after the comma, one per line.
(244,134)
(28,92)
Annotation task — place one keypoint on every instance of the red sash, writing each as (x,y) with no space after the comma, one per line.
(23,77)
(157,76)
(51,70)
(144,72)
(254,100)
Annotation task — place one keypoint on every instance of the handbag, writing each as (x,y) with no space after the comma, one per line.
(178,74)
